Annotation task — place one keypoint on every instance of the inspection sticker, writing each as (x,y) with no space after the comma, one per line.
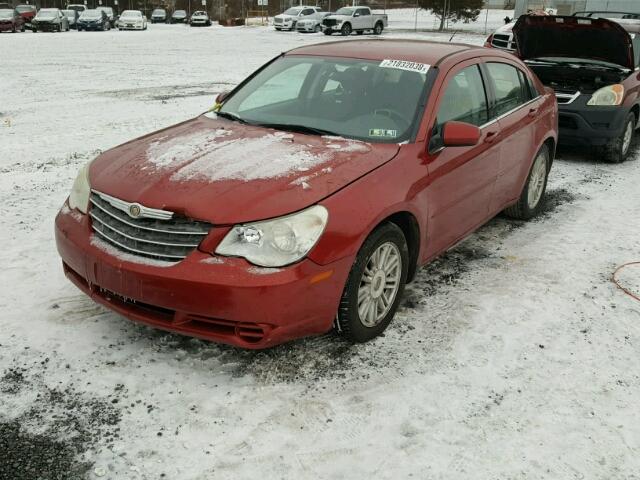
(382,132)
(405,65)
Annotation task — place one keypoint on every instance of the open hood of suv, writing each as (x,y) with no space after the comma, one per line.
(574,37)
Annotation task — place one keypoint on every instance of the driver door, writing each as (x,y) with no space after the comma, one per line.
(462,179)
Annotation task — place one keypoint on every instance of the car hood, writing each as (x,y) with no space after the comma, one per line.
(575,37)
(224,172)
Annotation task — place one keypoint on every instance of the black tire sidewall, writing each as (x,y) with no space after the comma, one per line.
(348,316)
(345,30)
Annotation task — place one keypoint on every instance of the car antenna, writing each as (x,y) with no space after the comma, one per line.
(454,34)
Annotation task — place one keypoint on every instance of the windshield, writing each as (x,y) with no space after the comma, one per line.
(24,8)
(353,98)
(131,14)
(91,14)
(293,11)
(198,13)
(69,13)
(345,11)
(179,13)
(157,12)
(46,14)
(6,13)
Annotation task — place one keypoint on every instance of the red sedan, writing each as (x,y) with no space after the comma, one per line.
(11,21)
(312,192)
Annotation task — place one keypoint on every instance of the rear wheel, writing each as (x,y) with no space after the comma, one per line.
(616,150)
(532,196)
(345,31)
(377,30)
(375,285)
(317,29)
(359,32)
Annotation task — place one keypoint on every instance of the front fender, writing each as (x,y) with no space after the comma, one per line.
(357,209)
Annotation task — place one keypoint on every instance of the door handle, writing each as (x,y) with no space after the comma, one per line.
(490,136)
(533,111)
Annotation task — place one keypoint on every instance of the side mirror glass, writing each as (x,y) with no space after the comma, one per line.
(356,14)
(460,134)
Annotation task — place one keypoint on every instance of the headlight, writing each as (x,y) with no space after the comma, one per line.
(79,196)
(610,95)
(277,242)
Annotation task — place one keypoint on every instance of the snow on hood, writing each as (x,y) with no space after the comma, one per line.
(573,37)
(224,172)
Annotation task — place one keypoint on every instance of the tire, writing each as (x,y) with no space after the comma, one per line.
(328,32)
(23,29)
(345,31)
(386,243)
(377,29)
(532,196)
(317,29)
(13,29)
(359,32)
(617,150)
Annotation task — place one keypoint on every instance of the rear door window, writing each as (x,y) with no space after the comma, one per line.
(510,91)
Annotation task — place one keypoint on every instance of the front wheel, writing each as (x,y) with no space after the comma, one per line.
(317,29)
(328,32)
(345,31)
(617,150)
(532,197)
(375,285)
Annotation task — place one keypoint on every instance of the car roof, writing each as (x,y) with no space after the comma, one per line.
(411,50)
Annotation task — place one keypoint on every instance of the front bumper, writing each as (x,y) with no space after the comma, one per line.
(305,28)
(98,27)
(46,27)
(130,26)
(229,301)
(582,124)
(6,27)
(199,23)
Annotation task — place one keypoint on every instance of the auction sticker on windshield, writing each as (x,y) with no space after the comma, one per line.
(404,65)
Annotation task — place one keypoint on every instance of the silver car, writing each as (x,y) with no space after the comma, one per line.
(309,25)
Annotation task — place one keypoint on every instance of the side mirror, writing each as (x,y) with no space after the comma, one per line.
(356,14)
(222,96)
(460,134)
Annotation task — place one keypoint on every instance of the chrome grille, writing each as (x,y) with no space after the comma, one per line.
(565,96)
(277,20)
(329,22)
(153,233)
(505,42)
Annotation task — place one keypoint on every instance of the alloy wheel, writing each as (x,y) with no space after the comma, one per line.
(379,284)
(537,181)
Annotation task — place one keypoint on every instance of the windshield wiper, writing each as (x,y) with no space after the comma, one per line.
(231,116)
(298,128)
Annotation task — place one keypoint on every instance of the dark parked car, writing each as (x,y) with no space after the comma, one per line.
(96,20)
(72,17)
(110,15)
(591,64)
(159,15)
(50,19)
(179,16)
(11,21)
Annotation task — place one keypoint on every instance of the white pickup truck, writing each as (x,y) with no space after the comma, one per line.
(354,19)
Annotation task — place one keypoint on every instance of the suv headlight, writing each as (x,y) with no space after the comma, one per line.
(277,242)
(80,191)
(609,95)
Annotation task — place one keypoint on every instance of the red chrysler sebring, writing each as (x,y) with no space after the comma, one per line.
(311,193)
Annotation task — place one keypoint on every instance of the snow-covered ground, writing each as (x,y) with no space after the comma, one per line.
(410,19)
(512,356)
